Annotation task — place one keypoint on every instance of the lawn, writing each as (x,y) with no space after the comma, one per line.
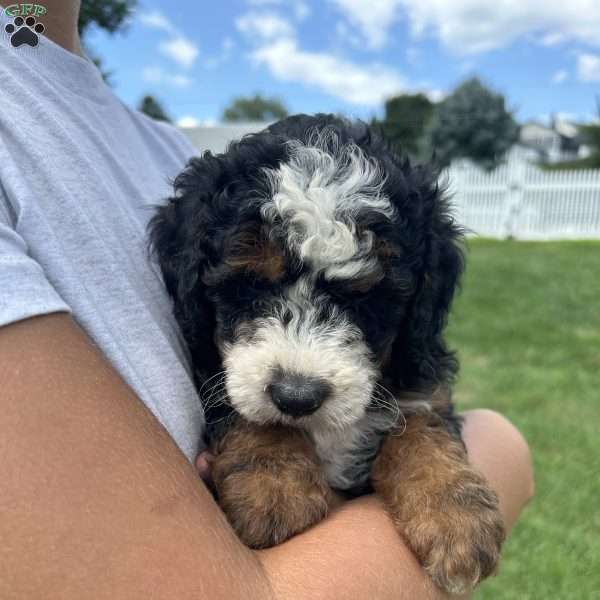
(527,328)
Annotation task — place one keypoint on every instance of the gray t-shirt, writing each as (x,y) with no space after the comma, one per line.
(79,175)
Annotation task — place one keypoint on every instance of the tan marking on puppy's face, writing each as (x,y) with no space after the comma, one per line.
(252,250)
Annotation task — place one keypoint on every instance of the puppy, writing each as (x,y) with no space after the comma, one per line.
(312,270)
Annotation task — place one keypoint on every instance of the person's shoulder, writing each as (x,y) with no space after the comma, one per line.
(165,132)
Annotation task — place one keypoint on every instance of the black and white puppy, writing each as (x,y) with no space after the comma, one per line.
(312,270)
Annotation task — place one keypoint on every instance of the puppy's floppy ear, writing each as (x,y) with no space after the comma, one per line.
(183,244)
(420,359)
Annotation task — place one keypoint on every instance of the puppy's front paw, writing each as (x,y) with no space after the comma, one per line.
(269,483)
(440,504)
(265,507)
(457,539)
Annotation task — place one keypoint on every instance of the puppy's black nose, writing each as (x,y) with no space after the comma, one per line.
(298,395)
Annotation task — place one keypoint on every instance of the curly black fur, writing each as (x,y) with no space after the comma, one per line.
(402,316)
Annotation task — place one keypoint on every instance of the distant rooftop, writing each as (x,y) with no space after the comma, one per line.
(215,138)
(561,126)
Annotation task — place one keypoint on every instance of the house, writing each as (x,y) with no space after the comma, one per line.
(558,142)
(216,138)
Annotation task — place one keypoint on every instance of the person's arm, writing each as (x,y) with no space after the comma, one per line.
(97,502)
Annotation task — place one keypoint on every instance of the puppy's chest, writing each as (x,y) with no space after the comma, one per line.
(347,455)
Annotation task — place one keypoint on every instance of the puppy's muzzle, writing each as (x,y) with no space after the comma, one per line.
(298,395)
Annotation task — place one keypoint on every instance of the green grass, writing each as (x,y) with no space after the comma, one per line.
(527,328)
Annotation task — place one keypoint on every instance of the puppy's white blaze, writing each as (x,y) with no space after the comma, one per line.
(317,194)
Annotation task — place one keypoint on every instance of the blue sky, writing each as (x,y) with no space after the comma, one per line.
(349,55)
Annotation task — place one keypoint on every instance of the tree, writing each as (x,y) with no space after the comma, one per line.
(473,123)
(153,108)
(256,108)
(406,118)
(110,15)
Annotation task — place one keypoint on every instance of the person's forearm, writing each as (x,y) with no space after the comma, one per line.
(355,554)
(499,451)
(97,502)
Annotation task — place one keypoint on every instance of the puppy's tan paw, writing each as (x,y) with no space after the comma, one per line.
(266,508)
(269,483)
(458,540)
(442,506)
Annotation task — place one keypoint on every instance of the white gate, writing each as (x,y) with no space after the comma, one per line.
(520,200)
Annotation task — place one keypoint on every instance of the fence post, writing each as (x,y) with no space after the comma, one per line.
(456,189)
(514,196)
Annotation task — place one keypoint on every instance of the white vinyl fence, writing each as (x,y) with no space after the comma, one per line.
(520,200)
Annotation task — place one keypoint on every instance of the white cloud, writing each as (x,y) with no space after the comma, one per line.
(187,121)
(179,80)
(191,121)
(560,76)
(553,39)
(373,17)
(276,48)
(364,85)
(157,20)
(177,47)
(157,76)
(436,95)
(588,67)
(473,26)
(181,50)
(300,7)
(266,25)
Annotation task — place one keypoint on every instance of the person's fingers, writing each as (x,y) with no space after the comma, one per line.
(204,462)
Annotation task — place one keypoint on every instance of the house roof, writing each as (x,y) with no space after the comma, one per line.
(216,138)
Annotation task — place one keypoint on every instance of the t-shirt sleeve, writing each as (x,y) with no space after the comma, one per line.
(24,289)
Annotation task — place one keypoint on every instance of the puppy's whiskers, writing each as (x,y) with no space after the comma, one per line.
(385,399)
(213,393)
(220,376)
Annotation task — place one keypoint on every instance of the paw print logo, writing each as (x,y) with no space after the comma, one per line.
(24,31)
